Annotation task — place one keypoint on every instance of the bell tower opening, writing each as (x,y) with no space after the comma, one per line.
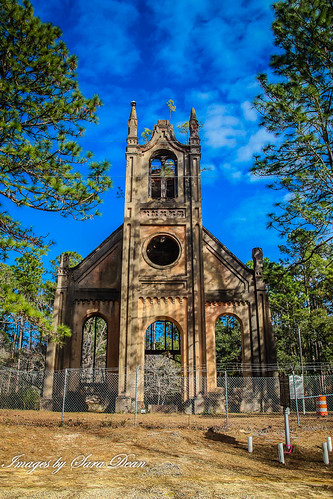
(163,176)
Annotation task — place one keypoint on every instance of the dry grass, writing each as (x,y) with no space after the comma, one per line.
(185,456)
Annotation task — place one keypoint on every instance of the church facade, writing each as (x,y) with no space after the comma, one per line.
(161,267)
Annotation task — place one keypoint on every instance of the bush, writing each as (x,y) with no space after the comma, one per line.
(25,398)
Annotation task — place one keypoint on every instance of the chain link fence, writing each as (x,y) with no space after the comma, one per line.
(20,389)
(84,390)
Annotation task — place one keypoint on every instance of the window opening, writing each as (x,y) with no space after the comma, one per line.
(163,250)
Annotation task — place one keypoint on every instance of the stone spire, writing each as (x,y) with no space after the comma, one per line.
(194,128)
(63,270)
(132,126)
(258,262)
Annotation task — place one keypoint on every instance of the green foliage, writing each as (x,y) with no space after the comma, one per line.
(300,298)
(172,107)
(26,312)
(146,134)
(16,305)
(41,115)
(297,107)
(184,128)
(25,398)
(28,273)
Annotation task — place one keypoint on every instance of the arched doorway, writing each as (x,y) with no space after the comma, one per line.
(162,364)
(94,349)
(228,345)
(163,337)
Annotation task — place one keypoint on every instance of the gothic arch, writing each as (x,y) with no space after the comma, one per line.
(163,175)
(94,342)
(161,336)
(229,344)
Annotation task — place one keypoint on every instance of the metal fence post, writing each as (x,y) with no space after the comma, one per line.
(226,397)
(136,394)
(301,362)
(286,412)
(296,400)
(64,397)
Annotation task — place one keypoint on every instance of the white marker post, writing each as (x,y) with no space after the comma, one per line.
(281,453)
(249,444)
(329,444)
(325,453)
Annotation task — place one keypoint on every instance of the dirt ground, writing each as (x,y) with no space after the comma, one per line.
(179,456)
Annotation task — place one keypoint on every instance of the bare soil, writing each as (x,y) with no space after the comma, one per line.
(185,456)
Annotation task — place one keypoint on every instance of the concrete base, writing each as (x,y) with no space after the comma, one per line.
(199,404)
(123,404)
(215,402)
(188,407)
(46,404)
(248,404)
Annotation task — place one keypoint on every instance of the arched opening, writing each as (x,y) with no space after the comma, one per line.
(94,348)
(162,364)
(228,344)
(163,176)
(163,337)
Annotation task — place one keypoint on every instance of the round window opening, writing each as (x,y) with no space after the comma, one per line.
(163,250)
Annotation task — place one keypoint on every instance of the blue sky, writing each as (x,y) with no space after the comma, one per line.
(200,53)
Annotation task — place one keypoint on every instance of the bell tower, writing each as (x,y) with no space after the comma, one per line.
(162,265)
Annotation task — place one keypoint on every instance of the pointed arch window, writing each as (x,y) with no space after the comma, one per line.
(94,347)
(163,177)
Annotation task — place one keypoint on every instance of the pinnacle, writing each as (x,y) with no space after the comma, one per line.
(133,111)
(193,114)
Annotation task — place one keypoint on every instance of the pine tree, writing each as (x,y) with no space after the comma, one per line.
(25,315)
(42,113)
(300,299)
(297,106)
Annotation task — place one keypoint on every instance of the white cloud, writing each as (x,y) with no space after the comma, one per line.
(255,178)
(231,172)
(250,114)
(255,144)
(221,129)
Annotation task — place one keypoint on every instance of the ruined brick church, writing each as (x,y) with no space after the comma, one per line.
(161,267)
